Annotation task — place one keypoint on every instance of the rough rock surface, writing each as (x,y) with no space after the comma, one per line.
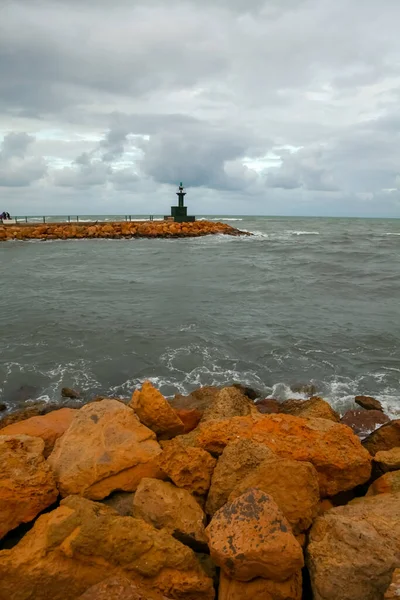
(170,508)
(250,538)
(368,403)
(260,589)
(336,453)
(251,393)
(189,417)
(387,484)
(363,422)
(316,408)
(81,543)
(34,410)
(353,549)
(308,389)
(293,485)
(388,460)
(48,427)
(121,502)
(120,588)
(238,459)
(189,468)
(268,406)
(155,412)
(199,399)
(27,484)
(393,591)
(228,402)
(105,448)
(384,438)
(70,393)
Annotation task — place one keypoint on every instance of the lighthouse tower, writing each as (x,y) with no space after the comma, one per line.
(179,213)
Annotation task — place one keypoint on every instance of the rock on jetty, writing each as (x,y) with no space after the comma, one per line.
(196,498)
(116,230)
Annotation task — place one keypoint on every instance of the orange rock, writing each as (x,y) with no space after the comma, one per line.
(315,407)
(336,453)
(189,468)
(250,538)
(228,402)
(81,543)
(388,460)
(293,486)
(384,438)
(48,427)
(120,588)
(368,403)
(260,589)
(324,506)
(189,417)
(199,399)
(27,485)
(105,448)
(387,484)
(393,592)
(155,412)
(238,459)
(268,406)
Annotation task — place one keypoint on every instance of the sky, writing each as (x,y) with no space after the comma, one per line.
(262,107)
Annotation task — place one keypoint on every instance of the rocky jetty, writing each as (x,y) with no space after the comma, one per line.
(198,497)
(115,230)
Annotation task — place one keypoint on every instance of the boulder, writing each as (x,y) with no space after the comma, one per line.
(228,402)
(189,468)
(155,412)
(393,591)
(308,389)
(250,538)
(3,406)
(384,438)
(387,484)
(49,427)
(353,549)
(362,422)
(199,399)
(34,410)
(336,453)
(121,502)
(173,509)
(368,403)
(250,392)
(316,408)
(106,448)
(324,506)
(268,406)
(82,542)
(238,459)
(27,484)
(120,588)
(260,589)
(388,460)
(293,485)
(70,393)
(189,417)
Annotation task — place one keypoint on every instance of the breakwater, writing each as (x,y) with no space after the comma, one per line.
(115,230)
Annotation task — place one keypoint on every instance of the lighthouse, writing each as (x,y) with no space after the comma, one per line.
(179,213)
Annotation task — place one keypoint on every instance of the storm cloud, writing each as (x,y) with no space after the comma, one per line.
(259,106)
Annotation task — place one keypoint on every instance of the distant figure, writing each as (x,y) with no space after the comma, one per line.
(5,216)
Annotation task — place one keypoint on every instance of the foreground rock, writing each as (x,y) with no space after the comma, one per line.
(120,588)
(363,422)
(393,592)
(175,510)
(293,486)
(315,408)
(27,484)
(155,412)
(189,417)
(199,399)
(260,589)
(236,462)
(388,460)
(47,427)
(250,538)
(384,438)
(387,484)
(336,453)
(106,448)
(368,403)
(268,406)
(34,410)
(353,549)
(228,402)
(81,543)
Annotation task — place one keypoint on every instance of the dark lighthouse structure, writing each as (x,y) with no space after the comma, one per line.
(179,213)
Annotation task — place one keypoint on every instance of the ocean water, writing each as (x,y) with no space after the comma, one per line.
(303,300)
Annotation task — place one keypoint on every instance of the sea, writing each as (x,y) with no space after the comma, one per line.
(303,300)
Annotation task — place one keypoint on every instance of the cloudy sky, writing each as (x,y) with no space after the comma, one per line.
(282,107)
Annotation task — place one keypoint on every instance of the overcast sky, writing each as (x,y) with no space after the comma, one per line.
(282,107)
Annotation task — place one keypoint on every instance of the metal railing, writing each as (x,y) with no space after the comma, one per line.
(69,219)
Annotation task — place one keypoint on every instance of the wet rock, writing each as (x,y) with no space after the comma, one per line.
(228,402)
(238,460)
(189,468)
(120,588)
(384,438)
(251,393)
(308,389)
(48,427)
(155,412)
(353,549)
(368,403)
(70,393)
(250,538)
(81,543)
(387,484)
(3,406)
(293,486)
(189,417)
(260,589)
(199,399)
(388,460)
(362,422)
(173,509)
(336,453)
(393,591)
(27,484)
(316,408)
(268,406)
(33,410)
(105,448)
(121,502)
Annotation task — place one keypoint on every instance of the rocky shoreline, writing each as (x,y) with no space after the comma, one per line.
(116,230)
(218,494)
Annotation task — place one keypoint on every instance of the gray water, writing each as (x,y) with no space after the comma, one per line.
(303,300)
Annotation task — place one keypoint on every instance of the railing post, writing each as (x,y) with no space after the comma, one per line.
(130,217)
(77,219)
(26,219)
(44,219)
(69,219)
